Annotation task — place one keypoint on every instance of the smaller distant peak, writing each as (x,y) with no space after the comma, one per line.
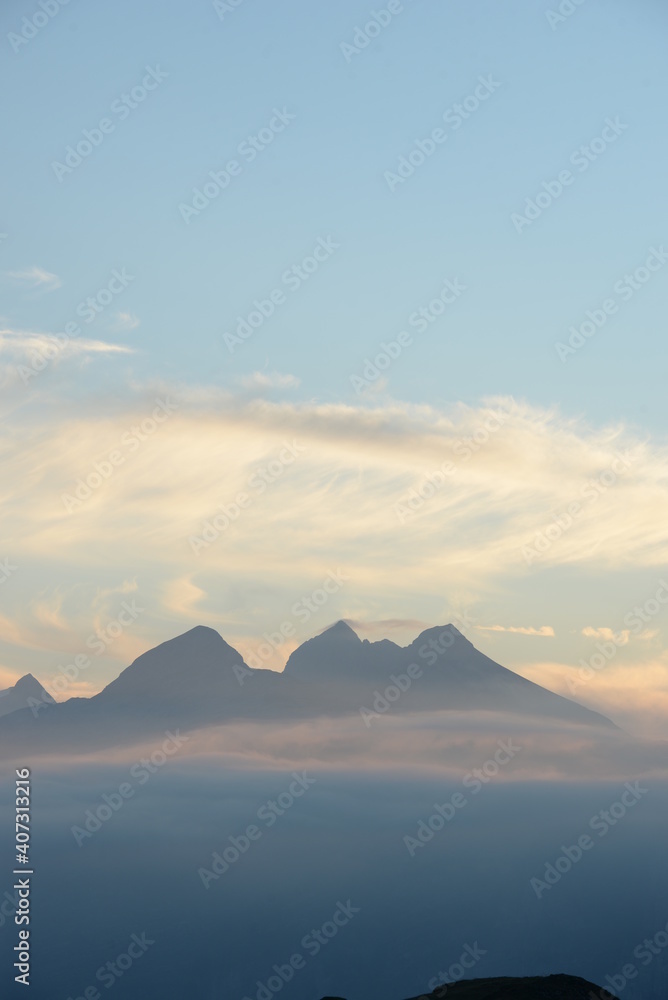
(28,680)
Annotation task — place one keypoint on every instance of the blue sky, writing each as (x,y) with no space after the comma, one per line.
(222,76)
(325,175)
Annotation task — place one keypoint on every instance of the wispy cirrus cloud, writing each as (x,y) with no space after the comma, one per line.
(23,344)
(24,354)
(34,278)
(268,380)
(621,637)
(357,464)
(544,631)
(183,597)
(277,527)
(123,322)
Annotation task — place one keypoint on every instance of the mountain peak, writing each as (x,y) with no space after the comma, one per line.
(28,683)
(23,694)
(340,629)
(178,668)
(200,632)
(326,655)
(444,635)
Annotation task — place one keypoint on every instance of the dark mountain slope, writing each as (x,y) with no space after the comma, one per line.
(557,987)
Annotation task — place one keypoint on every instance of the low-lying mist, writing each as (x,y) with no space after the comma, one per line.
(331,857)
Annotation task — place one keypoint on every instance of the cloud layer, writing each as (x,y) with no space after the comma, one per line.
(228,510)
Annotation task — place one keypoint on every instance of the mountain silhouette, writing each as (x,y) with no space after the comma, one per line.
(181,671)
(556,987)
(26,692)
(453,674)
(338,655)
(197,679)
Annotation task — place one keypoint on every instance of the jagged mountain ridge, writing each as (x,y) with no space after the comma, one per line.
(453,673)
(197,679)
(334,671)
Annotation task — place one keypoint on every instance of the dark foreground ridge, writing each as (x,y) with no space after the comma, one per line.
(558,987)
